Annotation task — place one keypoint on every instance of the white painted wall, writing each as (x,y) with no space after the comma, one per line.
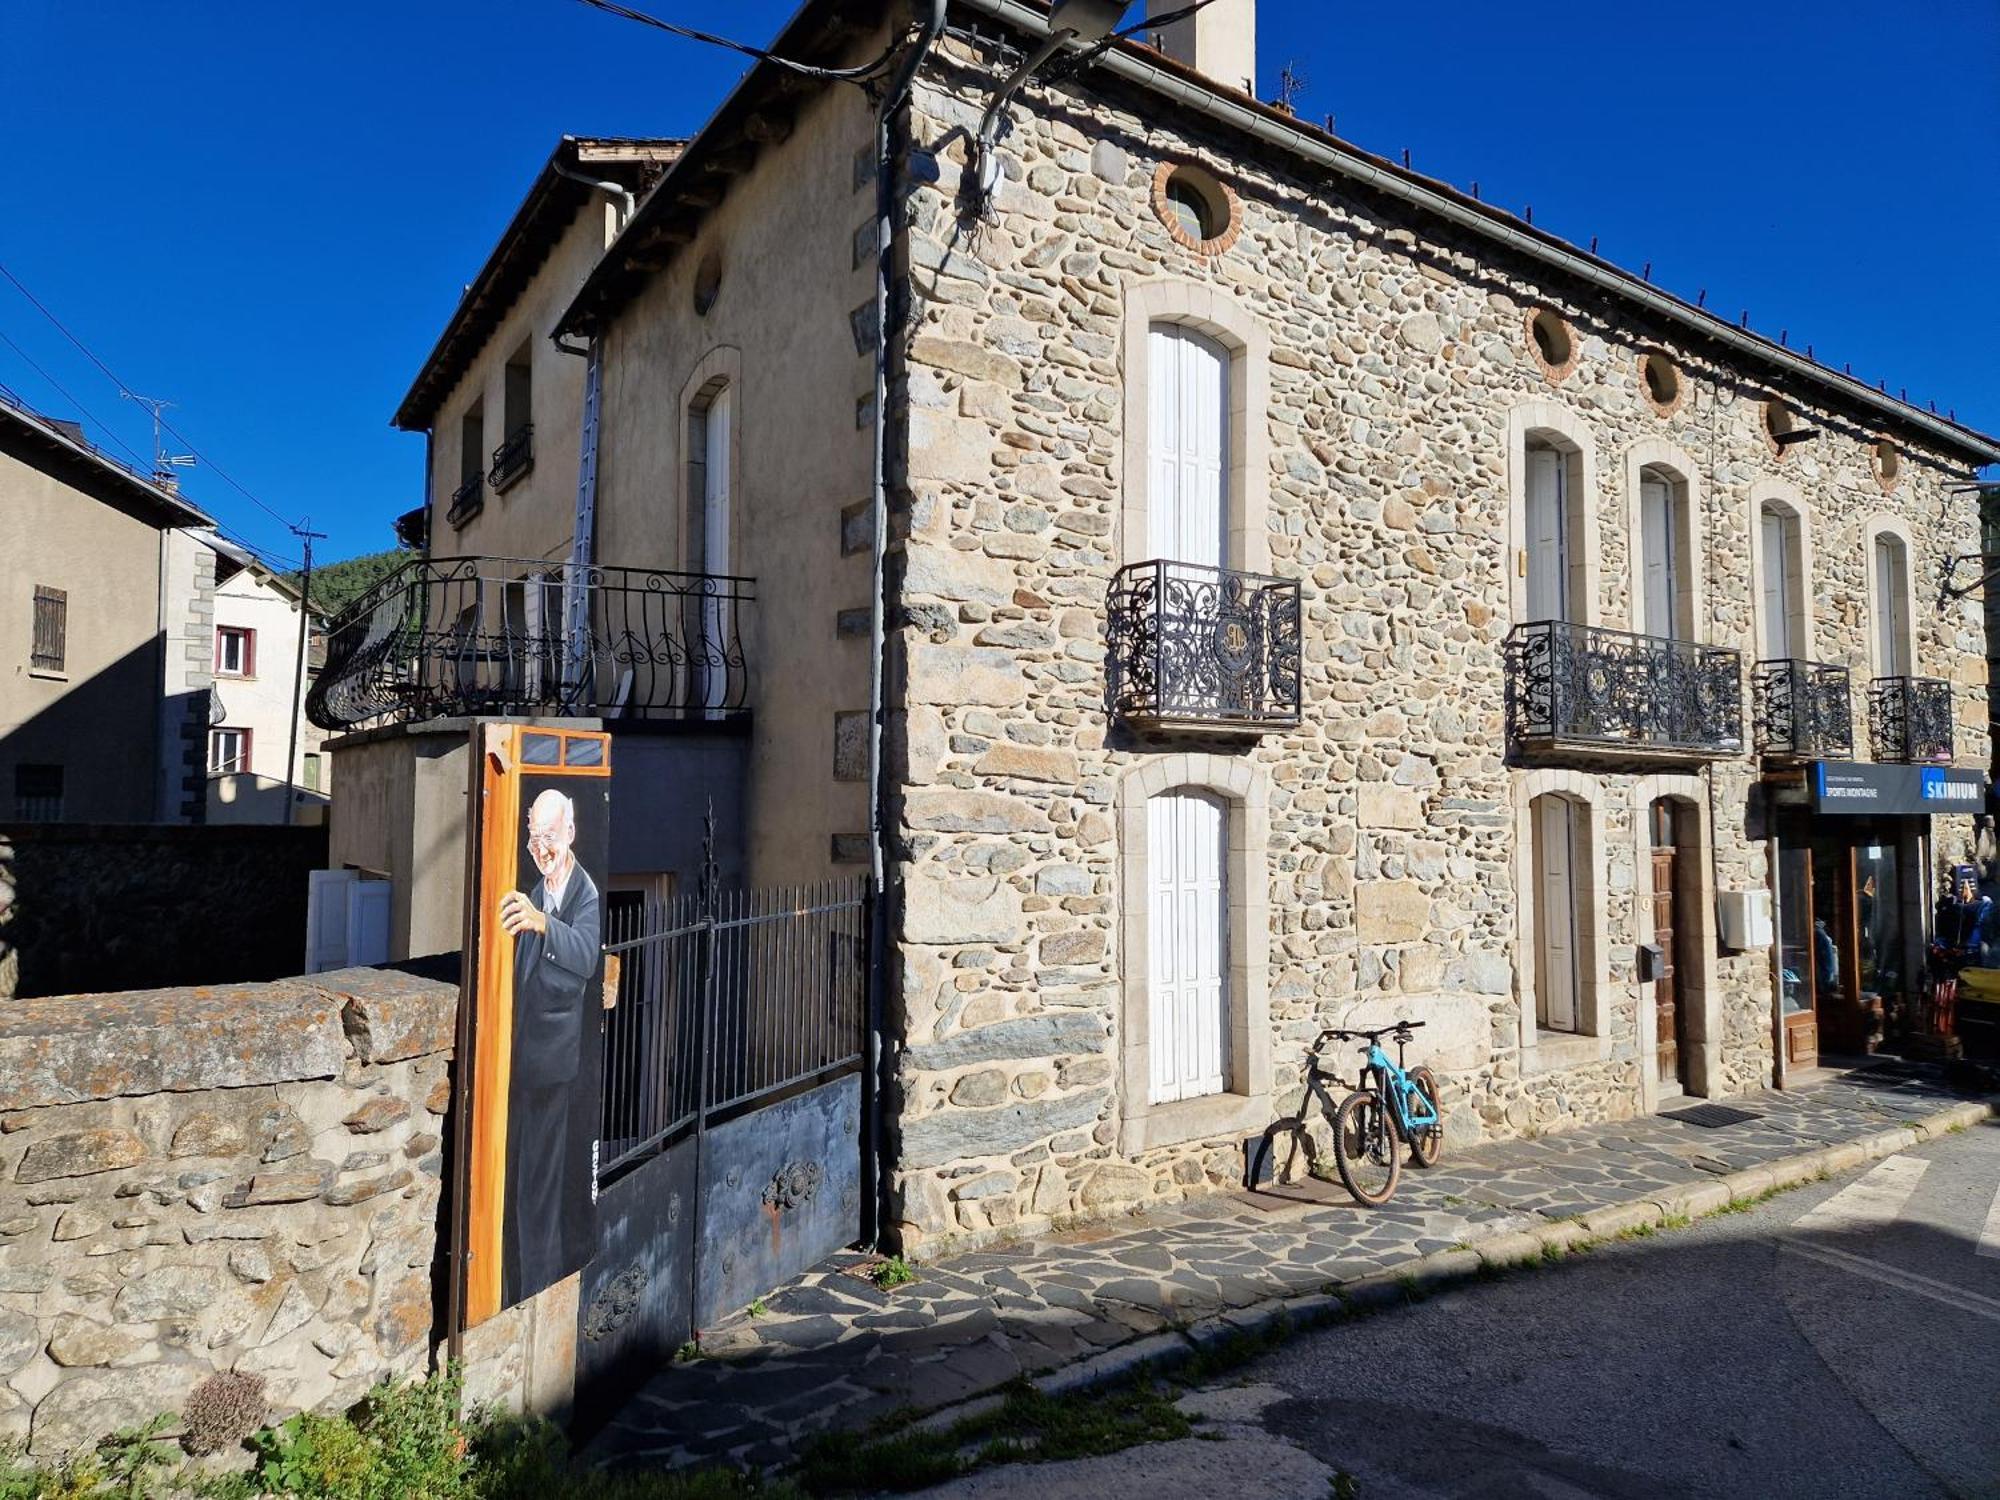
(262,703)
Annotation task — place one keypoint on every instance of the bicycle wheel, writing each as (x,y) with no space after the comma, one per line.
(1427,1141)
(1366,1150)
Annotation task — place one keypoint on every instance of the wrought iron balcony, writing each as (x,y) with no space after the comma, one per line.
(1802,710)
(1580,689)
(1909,720)
(1194,645)
(513,458)
(467,501)
(505,636)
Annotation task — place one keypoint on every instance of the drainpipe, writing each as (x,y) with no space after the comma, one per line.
(874,1184)
(617,190)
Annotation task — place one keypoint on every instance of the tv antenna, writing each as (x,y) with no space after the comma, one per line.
(164,463)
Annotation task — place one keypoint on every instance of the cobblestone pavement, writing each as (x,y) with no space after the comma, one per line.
(833,1351)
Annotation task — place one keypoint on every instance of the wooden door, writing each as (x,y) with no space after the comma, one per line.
(1666,999)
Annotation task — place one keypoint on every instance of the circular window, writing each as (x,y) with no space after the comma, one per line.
(1888,463)
(1778,420)
(1554,345)
(707,283)
(1662,381)
(1199,210)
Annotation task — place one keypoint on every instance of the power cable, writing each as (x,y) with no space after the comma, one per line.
(864,73)
(126,390)
(63,392)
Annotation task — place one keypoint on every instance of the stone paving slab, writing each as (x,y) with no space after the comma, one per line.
(833,1351)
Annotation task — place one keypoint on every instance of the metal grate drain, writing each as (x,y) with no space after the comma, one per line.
(1711,1116)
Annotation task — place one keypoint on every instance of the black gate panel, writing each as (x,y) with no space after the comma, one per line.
(636,1306)
(780,1191)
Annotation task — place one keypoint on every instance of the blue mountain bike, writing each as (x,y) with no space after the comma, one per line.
(1392,1107)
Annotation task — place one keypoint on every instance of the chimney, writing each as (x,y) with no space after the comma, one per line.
(1220,40)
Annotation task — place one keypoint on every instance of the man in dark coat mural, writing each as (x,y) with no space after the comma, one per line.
(557,951)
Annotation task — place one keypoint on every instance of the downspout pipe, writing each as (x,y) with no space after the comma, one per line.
(1235,115)
(616,189)
(875,1195)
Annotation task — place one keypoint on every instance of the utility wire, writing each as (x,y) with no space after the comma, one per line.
(862,74)
(63,392)
(126,390)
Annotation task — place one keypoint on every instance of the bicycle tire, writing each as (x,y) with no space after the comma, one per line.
(1427,1142)
(1366,1150)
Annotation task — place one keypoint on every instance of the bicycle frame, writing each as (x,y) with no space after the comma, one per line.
(1403,1100)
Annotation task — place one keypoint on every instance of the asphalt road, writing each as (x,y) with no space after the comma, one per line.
(1839,1340)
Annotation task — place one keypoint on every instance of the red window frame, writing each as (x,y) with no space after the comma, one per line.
(249,668)
(242,765)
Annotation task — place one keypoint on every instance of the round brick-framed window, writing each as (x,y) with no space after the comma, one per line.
(1200,210)
(1778,420)
(1552,341)
(1660,379)
(1887,460)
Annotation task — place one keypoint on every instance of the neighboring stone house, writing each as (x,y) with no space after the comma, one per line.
(1309,596)
(260,680)
(103,713)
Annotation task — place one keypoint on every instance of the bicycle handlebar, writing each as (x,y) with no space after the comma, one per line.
(1380,1031)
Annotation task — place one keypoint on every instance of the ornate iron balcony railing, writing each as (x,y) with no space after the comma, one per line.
(466,501)
(513,458)
(507,636)
(1802,710)
(1909,719)
(1198,645)
(1580,688)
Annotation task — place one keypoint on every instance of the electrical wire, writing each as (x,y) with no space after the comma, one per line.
(125,390)
(864,73)
(63,392)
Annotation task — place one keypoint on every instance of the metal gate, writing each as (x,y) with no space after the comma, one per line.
(732,1151)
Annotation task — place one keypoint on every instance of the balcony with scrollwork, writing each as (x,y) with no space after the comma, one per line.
(1909,720)
(519,638)
(513,458)
(1577,690)
(1802,710)
(1199,647)
(467,501)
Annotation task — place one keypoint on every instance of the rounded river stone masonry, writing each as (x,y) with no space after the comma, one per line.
(196,1180)
(1398,378)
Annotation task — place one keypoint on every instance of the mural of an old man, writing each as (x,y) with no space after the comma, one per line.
(557,958)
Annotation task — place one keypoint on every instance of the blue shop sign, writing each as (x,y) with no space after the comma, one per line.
(1853,789)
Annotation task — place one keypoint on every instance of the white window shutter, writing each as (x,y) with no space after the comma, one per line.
(1188,447)
(1656,541)
(327,893)
(368,915)
(1187,849)
(1555,913)
(1547,535)
(1776,587)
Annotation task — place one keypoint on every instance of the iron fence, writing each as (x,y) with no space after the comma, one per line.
(513,458)
(1584,688)
(1802,710)
(1203,645)
(726,1005)
(1909,719)
(493,635)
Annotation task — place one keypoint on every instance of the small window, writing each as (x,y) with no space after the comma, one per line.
(1888,464)
(235,651)
(50,650)
(516,454)
(1778,420)
(1553,343)
(1662,382)
(228,752)
(1197,208)
(707,283)
(38,793)
(312,771)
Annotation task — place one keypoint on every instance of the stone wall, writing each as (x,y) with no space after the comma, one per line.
(131,906)
(1393,378)
(197,1180)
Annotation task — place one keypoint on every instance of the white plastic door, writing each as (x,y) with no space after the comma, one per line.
(1776,585)
(1892,610)
(327,893)
(1661,564)
(1188,394)
(368,923)
(1187,844)
(1548,536)
(1555,913)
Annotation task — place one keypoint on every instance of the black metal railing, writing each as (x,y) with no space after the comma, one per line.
(1578,687)
(728,1004)
(466,501)
(1200,645)
(1909,719)
(513,458)
(491,635)
(1802,710)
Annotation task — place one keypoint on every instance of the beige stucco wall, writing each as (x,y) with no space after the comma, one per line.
(98,718)
(262,703)
(781,325)
(401,815)
(1400,385)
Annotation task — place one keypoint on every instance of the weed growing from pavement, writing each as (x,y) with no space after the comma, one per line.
(892,1273)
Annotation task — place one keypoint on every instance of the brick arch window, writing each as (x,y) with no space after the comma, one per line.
(1195,1025)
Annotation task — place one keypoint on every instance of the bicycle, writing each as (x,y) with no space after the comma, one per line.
(1426,1135)
(1392,1107)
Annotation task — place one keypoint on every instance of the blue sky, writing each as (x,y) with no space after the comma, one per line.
(265,212)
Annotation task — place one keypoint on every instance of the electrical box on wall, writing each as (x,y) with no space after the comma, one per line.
(1744,919)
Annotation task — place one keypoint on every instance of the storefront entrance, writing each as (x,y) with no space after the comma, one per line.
(1850,942)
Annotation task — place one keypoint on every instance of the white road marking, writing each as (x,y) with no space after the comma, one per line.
(1989,1237)
(1873,1202)
(1908,1281)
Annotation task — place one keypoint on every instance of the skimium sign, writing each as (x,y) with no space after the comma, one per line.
(1847,789)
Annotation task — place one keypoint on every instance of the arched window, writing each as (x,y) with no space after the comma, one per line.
(1187,838)
(1889,572)
(1666,555)
(1559,829)
(1781,585)
(1187,491)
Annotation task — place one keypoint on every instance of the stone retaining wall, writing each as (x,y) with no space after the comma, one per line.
(197,1180)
